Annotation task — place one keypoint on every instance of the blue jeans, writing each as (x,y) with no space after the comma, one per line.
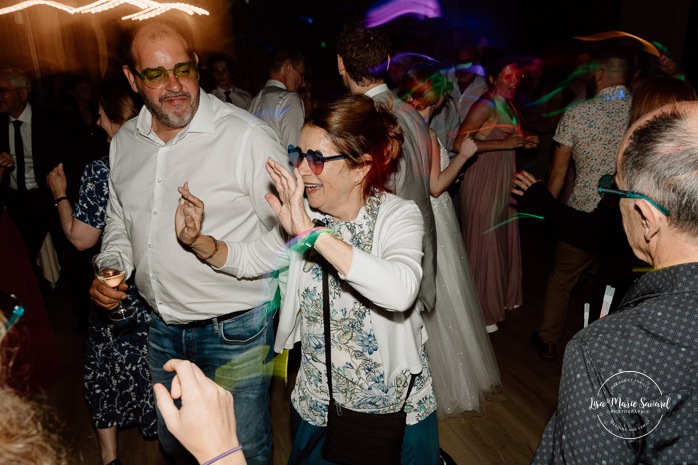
(238,355)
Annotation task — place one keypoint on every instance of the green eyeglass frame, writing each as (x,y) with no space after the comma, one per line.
(606,182)
(157,77)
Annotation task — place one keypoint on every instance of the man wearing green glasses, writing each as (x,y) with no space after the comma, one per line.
(644,353)
(184,135)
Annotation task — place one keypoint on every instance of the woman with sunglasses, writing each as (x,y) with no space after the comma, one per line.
(117,378)
(492,242)
(370,244)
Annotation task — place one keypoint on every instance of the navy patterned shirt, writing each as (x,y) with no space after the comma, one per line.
(628,388)
(94,194)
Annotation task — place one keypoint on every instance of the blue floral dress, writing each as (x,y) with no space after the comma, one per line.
(357,369)
(117,379)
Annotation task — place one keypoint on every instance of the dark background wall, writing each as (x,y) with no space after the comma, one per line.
(543,28)
(48,42)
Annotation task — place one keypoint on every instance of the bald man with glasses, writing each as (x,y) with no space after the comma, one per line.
(184,135)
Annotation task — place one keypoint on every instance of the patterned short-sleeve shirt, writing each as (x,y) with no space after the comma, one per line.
(594,130)
(94,194)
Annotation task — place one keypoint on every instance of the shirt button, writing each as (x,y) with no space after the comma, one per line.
(152,276)
(155,213)
(159,179)
(150,246)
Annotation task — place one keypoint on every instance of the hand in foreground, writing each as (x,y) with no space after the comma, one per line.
(522,181)
(5,162)
(288,206)
(105,296)
(56,181)
(205,424)
(188,217)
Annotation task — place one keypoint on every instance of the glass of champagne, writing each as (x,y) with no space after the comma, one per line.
(109,269)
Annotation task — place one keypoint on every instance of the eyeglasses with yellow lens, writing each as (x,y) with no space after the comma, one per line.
(156,78)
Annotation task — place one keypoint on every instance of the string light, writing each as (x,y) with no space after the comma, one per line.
(149,8)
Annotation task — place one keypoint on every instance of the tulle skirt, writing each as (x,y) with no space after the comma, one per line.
(464,368)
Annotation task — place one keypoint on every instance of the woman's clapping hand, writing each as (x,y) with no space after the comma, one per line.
(288,206)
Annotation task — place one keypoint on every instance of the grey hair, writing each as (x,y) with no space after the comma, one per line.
(17,78)
(660,160)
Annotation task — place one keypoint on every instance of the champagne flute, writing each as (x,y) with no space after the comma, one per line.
(109,269)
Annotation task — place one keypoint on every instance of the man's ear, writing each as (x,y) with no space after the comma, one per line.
(599,76)
(24,94)
(131,78)
(650,218)
(286,67)
(340,65)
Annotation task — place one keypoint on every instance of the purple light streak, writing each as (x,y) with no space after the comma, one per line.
(388,11)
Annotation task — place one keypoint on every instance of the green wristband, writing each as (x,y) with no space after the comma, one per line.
(308,240)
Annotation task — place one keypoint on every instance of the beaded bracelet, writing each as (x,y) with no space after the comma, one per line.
(224,454)
(215,250)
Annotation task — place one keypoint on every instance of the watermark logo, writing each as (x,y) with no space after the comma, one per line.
(630,405)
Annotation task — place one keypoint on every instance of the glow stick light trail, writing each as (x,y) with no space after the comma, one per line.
(149,8)
(647,46)
(386,11)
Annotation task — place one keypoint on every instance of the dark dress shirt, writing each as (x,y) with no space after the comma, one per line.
(655,333)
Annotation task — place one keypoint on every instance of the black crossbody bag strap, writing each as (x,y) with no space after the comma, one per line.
(326,321)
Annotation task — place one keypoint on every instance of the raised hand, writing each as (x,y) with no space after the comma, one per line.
(188,216)
(288,206)
(56,181)
(468,148)
(667,65)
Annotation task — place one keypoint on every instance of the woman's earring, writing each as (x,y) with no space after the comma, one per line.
(356,183)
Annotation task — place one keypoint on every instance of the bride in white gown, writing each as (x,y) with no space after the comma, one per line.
(464,368)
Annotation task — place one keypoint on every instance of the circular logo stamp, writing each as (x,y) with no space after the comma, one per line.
(630,405)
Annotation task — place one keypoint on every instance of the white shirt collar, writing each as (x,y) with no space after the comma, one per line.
(25,117)
(275,83)
(372,92)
